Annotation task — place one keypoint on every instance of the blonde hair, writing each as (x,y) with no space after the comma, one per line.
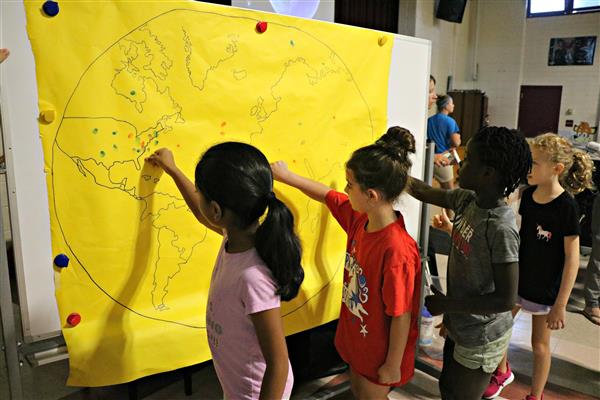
(577,175)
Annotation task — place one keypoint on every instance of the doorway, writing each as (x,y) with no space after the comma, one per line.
(539,109)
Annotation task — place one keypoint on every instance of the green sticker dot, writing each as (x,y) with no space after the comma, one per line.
(132,93)
(95,130)
(102,153)
(114,132)
(115,146)
(156,142)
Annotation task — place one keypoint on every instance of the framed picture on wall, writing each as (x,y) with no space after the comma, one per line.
(578,50)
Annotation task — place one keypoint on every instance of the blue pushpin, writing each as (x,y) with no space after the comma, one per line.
(50,8)
(61,261)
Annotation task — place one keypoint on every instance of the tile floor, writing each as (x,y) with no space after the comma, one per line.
(575,372)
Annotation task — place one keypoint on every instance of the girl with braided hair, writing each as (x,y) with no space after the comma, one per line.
(549,251)
(258,266)
(377,330)
(483,265)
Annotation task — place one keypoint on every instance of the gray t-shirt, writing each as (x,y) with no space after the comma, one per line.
(480,237)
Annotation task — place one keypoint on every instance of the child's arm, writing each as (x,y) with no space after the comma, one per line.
(425,193)
(503,298)
(271,339)
(163,158)
(389,372)
(556,318)
(314,190)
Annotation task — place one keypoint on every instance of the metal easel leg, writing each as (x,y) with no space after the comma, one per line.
(8,325)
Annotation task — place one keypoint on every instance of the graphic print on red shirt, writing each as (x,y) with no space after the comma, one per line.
(355,292)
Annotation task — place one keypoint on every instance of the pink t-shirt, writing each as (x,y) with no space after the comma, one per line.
(241,285)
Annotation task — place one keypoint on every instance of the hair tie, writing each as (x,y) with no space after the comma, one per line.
(270,196)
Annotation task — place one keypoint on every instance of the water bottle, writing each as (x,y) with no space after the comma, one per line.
(426,328)
(595,146)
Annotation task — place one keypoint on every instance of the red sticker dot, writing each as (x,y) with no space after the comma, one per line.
(261,26)
(73,319)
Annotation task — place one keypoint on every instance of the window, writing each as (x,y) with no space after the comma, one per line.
(546,8)
(583,5)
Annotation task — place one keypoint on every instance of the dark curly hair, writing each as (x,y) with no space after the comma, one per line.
(505,150)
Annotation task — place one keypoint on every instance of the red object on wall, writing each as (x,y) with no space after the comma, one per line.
(73,319)
(261,26)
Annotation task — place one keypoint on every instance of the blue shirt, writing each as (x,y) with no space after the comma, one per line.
(439,129)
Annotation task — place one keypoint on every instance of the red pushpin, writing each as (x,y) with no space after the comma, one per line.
(261,26)
(74,319)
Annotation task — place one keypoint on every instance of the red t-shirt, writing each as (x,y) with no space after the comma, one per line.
(382,279)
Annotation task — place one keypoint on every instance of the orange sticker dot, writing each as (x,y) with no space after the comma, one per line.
(222,133)
(223,123)
(130,135)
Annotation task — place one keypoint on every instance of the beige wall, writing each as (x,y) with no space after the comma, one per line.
(499,57)
(497,49)
(452,52)
(581,84)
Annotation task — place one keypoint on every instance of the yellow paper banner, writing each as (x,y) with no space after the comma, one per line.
(125,78)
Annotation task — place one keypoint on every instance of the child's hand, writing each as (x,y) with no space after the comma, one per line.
(280,171)
(443,332)
(163,158)
(442,222)
(388,374)
(556,317)
(435,303)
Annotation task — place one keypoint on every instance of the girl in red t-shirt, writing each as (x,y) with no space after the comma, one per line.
(377,329)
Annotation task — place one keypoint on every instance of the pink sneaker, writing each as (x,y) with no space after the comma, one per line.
(498,382)
(532,397)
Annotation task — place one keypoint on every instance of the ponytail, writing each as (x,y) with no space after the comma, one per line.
(239,178)
(279,247)
(579,176)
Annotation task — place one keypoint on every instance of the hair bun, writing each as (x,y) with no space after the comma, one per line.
(442,101)
(398,140)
